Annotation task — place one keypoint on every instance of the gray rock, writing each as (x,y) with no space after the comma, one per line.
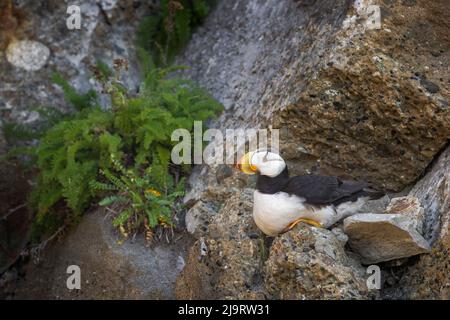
(433,192)
(298,69)
(384,237)
(431,87)
(107,32)
(198,217)
(409,206)
(340,235)
(428,278)
(376,206)
(28,55)
(310,263)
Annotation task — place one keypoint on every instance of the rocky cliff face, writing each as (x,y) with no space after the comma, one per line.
(428,277)
(362,103)
(232,259)
(39,44)
(349,100)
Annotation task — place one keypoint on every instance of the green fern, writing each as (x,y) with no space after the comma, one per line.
(137,196)
(72,153)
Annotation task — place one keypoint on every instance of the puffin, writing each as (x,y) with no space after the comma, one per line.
(281,202)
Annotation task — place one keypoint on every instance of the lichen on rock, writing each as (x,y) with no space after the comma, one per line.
(310,263)
(28,55)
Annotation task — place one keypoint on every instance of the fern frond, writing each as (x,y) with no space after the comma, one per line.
(111,200)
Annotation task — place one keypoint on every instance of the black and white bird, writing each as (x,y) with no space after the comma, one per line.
(280,201)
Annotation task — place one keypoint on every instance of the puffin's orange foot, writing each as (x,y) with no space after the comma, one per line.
(305,220)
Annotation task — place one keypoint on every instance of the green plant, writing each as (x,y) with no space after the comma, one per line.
(166,32)
(138,201)
(135,130)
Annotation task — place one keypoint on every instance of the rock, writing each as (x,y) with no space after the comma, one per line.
(310,263)
(15,217)
(205,202)
(428,277)
(384,237)
(223,172)
(433,192)
(231,266)
(194,281)
(340,235)
(429,86)
(341,95)
(28,55)
(215,187)
(238,262)
(409,206)
(8,276)
(107,32)
(198,217)
(376,206)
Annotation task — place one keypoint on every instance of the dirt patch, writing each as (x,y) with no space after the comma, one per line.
(109,270)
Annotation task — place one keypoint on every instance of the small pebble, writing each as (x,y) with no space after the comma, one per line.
(28,55)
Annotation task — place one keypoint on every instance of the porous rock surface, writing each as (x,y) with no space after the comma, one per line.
(395,234)
(310,263)
(28,55)
(229,259)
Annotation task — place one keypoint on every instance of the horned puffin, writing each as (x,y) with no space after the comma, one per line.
(280,201)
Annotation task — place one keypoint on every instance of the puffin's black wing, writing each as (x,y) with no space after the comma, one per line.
(324,189)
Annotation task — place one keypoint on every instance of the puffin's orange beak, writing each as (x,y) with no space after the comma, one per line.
(244,165)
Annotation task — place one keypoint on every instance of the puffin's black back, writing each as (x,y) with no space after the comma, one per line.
(265,184)
(316,189)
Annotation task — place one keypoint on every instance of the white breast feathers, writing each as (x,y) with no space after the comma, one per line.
(274,212)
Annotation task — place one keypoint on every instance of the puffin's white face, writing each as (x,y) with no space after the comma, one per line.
(263,162)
